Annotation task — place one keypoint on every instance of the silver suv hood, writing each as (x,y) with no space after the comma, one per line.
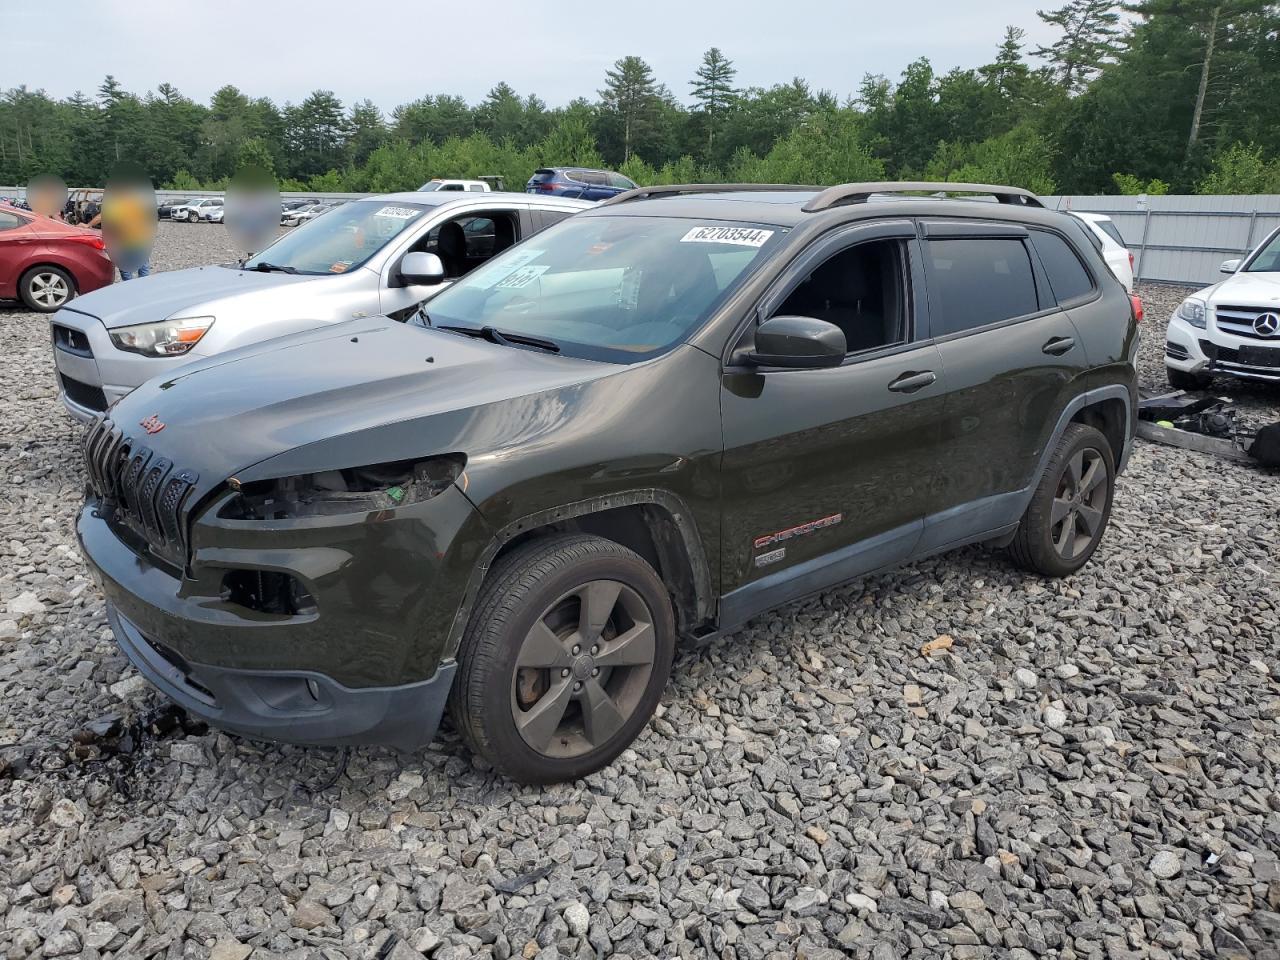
(196,292)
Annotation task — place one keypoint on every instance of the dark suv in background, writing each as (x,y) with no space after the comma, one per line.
(578,183)
(655,420)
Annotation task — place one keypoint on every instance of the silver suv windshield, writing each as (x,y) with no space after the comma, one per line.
(341,240)
(1268,258)
(610,288)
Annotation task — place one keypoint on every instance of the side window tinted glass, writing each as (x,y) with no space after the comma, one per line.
(549,217)
(974,282)
(860,290)
(1067,275)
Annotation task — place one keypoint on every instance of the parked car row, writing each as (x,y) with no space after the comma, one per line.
(446,468)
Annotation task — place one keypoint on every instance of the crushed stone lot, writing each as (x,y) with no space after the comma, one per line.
(1082,768)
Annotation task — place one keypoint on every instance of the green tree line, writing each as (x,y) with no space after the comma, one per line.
(1154,96)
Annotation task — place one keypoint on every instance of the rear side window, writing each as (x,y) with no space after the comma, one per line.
(974,282)
(1109,228)
(1067,275)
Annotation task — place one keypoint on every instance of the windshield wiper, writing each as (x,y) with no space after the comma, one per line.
(263,267)
(494,335)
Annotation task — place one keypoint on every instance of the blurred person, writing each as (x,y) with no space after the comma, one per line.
(127,221)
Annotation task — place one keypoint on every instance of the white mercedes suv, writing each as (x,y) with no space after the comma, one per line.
(1231,329)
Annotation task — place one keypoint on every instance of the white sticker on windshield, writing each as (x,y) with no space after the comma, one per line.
(738,236)
(522,277)
(494,272)
(399,213)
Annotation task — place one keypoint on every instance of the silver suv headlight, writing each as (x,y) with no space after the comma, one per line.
(1193,311)
(168,338)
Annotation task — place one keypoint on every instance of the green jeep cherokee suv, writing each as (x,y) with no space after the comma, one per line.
(652,421)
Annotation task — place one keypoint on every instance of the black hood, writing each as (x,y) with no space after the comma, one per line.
(340,392)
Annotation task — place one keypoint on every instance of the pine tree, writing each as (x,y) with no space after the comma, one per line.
(713,89)
(631,93)
(1090,38)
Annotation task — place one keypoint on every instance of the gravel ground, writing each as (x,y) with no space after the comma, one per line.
(1087,768)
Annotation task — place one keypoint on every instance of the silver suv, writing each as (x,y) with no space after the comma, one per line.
(350,263)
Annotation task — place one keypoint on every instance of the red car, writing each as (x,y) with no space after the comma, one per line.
(46,262)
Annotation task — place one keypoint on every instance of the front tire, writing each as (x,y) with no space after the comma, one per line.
(1181,380)
(564,659)
(192,216)
(1069,510)
(45,289)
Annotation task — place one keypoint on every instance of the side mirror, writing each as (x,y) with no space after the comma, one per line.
(798,342)
(421,269)
(1229,266)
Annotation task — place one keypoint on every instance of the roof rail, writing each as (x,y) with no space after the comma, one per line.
(861,192)
(676,189)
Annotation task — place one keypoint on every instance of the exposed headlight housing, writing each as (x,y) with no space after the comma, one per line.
(168,338)
(383,486)
(1193,311)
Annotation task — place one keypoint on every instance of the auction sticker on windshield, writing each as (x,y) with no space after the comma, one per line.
(399,213)
(522,277)
(738,236)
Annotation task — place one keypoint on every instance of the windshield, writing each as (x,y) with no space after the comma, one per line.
(341,240)
(608,288)
(1267,260)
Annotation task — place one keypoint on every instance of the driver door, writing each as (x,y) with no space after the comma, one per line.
(828,473)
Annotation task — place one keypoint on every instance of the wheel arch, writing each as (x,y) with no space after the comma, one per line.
(1109,416)
(655,524)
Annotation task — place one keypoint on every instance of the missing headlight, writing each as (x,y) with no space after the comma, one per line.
(383,486)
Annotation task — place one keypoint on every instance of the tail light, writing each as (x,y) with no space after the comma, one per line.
(1130,261)
(1135,304)
(90,240)
(547,186)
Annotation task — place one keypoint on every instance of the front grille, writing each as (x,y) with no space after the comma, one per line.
(144,491)
(71,340)
(83,394)
(1239,321)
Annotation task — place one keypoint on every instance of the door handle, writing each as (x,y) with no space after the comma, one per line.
(1059,345)
(911,382)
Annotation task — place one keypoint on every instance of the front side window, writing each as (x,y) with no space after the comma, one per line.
(977,281)
(1268,258)
(341,240)
(1067,275)
(617,288)
(9,221)
(861,290)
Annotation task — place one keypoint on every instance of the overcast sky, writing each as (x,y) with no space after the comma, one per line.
(393,52)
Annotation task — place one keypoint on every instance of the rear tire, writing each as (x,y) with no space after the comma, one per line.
(1181,380)
(1069,510)
(564,659)
(45,289)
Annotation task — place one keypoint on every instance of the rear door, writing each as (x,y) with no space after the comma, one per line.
(827,473)
(1011,354)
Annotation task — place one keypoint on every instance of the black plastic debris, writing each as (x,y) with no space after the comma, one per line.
(1206,424)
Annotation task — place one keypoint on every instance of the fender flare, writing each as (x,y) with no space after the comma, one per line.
(705,600)
(1114,391)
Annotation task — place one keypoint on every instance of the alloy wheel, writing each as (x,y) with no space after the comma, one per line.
(50,289)
(582,669)
(1079,505)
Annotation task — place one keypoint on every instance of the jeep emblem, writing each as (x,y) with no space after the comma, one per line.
(152,424)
